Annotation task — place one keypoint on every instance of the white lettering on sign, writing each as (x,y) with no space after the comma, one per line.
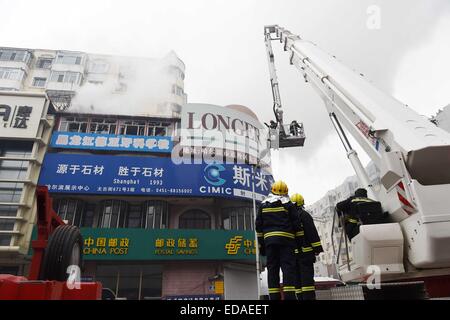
(75,140)
(63,168)
(216,190)
(261,181)
(101,141)
(163,144)
(62,140)
(88,141)
(114,142)
(241,175)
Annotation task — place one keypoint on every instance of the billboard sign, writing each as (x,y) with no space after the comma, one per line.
(20,115)
(166,244)
(94,141)
(154,176)
(219,129)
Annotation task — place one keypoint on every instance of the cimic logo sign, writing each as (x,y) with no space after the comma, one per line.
(212,176)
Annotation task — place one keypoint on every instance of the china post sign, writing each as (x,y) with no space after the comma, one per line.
(127,175)
(76,140)
(168,244)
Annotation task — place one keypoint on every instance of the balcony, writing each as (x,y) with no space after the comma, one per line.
(72,62)
(62,86)
(6,84)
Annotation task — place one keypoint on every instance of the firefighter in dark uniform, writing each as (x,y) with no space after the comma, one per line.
(359,209)
(309,246)
(276,223)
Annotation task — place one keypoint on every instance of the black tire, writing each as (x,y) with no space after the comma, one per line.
(64,248)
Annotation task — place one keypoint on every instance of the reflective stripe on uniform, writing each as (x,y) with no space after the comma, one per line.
(307,249)
(259,234)
(361,200)
(296,250)
(316,244)
(289,289)
(298,290)
(276,209)
(352,220)
(300,234)
(274,290)
(278,234)
(311,288)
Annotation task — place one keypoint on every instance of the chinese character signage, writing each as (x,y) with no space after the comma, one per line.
(76,140)
(168,244)
(20,115)
(127,175)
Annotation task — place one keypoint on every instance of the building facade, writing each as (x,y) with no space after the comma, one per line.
(166,212)
(100,82)
(26,123)
(155,225)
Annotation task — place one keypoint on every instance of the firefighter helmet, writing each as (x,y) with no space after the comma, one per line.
(298,199)
(280,188)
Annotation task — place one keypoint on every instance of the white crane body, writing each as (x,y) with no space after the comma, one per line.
(412,153)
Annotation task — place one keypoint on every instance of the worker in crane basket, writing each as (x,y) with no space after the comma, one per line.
(308,247)
(357,210)
(276,223)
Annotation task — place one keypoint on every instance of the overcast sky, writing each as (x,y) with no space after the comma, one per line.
(221,43)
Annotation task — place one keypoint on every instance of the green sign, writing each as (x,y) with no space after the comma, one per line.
(167,244)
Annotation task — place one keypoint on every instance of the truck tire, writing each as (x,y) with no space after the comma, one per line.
(64,248)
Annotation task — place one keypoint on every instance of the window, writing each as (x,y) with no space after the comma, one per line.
(98,66)
(134,217)
(65,77)
(103,125)
(113,214)
(68,59)
(151,286)
(73,124)
(11,192)
(87,219)
(132,127)
(44,63)
(174,70)
(237,218)
(156,215)
(194,219)
(11,74)
(70,210)
(157,128)
(39,82)
(177,90)
(131,281)
(15,55)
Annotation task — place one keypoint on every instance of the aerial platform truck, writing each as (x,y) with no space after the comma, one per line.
(411,152)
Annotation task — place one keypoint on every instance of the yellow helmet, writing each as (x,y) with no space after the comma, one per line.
(280,188)
(298,199)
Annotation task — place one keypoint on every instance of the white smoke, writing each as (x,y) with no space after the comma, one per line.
(131,86)
(422,79)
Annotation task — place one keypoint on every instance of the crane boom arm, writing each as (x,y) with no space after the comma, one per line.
(411,152)
(377,121)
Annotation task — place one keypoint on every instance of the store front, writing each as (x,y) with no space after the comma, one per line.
(167,263)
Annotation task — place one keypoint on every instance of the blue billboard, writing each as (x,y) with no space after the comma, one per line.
(95,141)
(128,175)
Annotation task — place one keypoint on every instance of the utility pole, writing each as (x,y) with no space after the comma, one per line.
(258,269)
